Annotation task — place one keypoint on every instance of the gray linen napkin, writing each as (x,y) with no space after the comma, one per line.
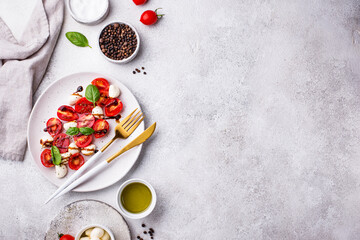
(24,64)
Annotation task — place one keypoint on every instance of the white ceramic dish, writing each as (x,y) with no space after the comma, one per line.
(78,235)
(126,60)
(94,21)
(147,211)
(46,107)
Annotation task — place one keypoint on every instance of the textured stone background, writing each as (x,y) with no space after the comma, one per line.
(258,111)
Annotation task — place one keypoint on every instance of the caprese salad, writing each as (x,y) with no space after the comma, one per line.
(71,134)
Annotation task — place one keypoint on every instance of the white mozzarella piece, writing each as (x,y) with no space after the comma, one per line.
(88,232)
(65,155)
(106,236)
(114,91)
(60,170)
(85,238)
(46,141)
(69,125)
(73,148)
(73,98)
(89,150)
(98,112)
(97,233)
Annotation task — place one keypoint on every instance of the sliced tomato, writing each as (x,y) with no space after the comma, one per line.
(85,120)
(53,126)
(62,141)
(76,161)
(113,107)
(101,127)
(102,101)
(102,84)
(82,140)
(83,105)
(46,158)
(66,113)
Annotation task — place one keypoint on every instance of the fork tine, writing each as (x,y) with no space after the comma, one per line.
(127,118)
(132,129)
(133,122)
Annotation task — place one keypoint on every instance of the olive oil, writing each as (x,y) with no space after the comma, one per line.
(136,197)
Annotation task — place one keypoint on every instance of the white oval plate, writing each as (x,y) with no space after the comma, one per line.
(46,107)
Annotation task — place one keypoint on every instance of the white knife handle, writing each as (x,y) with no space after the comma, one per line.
(83,178)
(76,174)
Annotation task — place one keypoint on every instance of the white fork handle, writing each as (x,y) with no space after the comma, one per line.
(83,178)
(76,174)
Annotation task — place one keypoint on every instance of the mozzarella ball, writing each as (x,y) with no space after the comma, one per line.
(89,150)
(106,236)
(73,148)
(88,232)
(97,112)
(95,238)
(73,98)
(46,141)
(65,156)
(97,233)
(60,170)
(85,238)
(114,91)
(69,125)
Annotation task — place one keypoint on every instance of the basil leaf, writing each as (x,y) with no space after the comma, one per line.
(87,130)
(92,93)
(55,154)
(77,39)
(72,131)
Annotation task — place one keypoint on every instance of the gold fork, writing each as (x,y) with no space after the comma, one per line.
(126,127)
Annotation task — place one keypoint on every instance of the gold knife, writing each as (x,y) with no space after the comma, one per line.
(137,141)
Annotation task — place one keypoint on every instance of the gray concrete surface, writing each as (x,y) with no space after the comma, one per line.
(258,111)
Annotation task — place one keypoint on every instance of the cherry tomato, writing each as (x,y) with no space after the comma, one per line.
(113,107)
(66,113)
(139,2)
(102,84)
(83,105)
(85,120)
(82,140)
(102,100)
(76,161)
(53,126)
(46,159)
(101,127)
(67,236)
(150,17)
(62,142)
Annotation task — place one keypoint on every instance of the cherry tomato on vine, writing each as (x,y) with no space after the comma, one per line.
(150,17)
(139,2)
(66,237)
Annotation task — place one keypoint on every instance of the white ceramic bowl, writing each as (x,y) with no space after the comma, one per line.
(94,21)
(132,56)
(78,235)
(147,211)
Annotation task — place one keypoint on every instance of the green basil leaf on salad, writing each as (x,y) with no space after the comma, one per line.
(73,131)
(55,155)
(92,94)
(87,130)
(77,39)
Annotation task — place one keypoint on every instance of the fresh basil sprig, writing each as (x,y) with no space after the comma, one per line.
(92,94)
(87,130)
(55,155)
(77,39)
(72,131)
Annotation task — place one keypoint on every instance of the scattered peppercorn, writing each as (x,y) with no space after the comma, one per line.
(145,232)
(137,70)
(143,225)
(134,72)
(142,68)
(144,73)
(151,230)
(152,237)
(138,237)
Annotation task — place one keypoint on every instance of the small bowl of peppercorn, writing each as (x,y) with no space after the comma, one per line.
(119,42)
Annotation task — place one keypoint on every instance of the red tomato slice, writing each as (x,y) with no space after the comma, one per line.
(67,237)
(113,107)
(101,127)
(85,120)
(102,101)
(76,161)
(62,141)
(66,113)
(82,140)
(83,106)
(102,84)
(53,126)
(46,159)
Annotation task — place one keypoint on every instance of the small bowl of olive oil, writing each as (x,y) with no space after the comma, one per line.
(136,198)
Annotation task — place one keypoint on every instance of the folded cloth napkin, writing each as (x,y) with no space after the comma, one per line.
(24,63)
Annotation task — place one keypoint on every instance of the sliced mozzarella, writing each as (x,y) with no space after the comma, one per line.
(89,150)
(69,125)
(46,141)
(73,98)
(106,236)
(73,148)
(97,233)
(65,156)
(60,170)
(88,232)
(114,91)
(97,112)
